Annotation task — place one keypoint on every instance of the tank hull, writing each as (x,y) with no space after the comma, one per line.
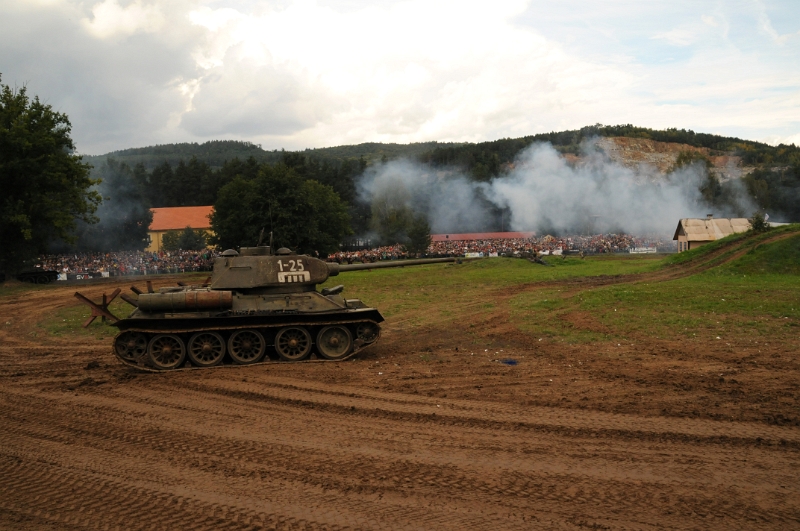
(227,324)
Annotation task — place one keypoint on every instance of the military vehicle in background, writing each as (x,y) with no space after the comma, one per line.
(255,306)
(34,276)
(37,276)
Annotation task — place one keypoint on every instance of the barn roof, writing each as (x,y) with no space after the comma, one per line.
(709,229)
(482,236)
(175,218)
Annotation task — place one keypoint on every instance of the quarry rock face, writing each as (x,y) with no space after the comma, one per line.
(636,153)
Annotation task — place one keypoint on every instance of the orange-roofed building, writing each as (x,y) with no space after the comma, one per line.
(177,218)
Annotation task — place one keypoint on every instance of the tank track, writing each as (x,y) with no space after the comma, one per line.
(142,362)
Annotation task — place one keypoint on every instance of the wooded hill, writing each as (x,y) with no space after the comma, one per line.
(216,152)
(204,174)
(483,159)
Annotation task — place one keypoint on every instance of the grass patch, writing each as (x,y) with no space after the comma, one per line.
(545,313)
(14,287)
(714,303)
(67,322)
(749,238)
(704,305)
(757,294)
(782,257)
(445,294)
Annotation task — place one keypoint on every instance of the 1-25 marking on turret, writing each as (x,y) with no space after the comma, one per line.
(294,265)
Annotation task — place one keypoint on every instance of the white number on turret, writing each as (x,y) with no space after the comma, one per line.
(293,271)
(293,265)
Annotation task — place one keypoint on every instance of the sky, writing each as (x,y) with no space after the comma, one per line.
(304,74)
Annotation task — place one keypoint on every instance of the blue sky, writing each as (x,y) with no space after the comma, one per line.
(296,74)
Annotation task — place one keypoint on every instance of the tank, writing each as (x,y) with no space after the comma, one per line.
(255,307)
(37,276)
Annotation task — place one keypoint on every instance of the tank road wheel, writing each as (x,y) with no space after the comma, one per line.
(206,349)
(334,342)
(293,343)
(131,346)
(246,346)
(166,351)
(368,332)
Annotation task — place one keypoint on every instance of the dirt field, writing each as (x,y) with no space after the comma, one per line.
(425,430)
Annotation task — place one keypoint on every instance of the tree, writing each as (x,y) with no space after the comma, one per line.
(758,223)
(161,183)
(305,216)
(192,184)
(419,235)
(46,187)
(391,215)
(187,240)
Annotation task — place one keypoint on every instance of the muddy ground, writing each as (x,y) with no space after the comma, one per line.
(422,431)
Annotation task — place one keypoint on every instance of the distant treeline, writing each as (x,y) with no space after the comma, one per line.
(196,174)
(217,152)
(482,160)
(296,184)
(195,182)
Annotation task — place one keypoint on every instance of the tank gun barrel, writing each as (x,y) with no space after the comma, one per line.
(334,268)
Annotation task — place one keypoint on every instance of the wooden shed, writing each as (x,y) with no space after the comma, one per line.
(694,232)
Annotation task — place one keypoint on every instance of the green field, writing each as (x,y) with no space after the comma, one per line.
(740,286)
(628,296)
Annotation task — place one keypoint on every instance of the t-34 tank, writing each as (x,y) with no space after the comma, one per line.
(257,307)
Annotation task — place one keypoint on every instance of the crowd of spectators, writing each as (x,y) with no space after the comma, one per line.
(128,262)
(389,252)
(152,263)
(595,244)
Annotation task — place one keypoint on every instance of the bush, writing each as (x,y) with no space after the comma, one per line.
(187,240)
(758,223)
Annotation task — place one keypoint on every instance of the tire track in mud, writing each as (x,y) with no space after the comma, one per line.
(256,462)
(60,496)
(495,416)
(343,472)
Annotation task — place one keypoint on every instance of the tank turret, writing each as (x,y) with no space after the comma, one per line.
(256,306)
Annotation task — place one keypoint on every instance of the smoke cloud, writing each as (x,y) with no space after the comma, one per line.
(545,193)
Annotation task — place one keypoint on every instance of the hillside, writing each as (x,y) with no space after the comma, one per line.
(741,175)
(216,152)
(629,145)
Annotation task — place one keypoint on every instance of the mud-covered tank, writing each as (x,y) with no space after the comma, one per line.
(257,306)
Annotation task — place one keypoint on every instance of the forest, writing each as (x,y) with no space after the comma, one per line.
(220,173)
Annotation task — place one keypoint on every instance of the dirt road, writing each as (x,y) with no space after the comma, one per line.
(412,435)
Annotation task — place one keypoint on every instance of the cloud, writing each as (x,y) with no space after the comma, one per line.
(299,73)
(242,100)
(117,92)
(683,36)
(709,20)
(388,74)
(112,20)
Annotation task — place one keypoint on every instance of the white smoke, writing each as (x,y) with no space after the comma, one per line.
(448,199)
(543,192)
